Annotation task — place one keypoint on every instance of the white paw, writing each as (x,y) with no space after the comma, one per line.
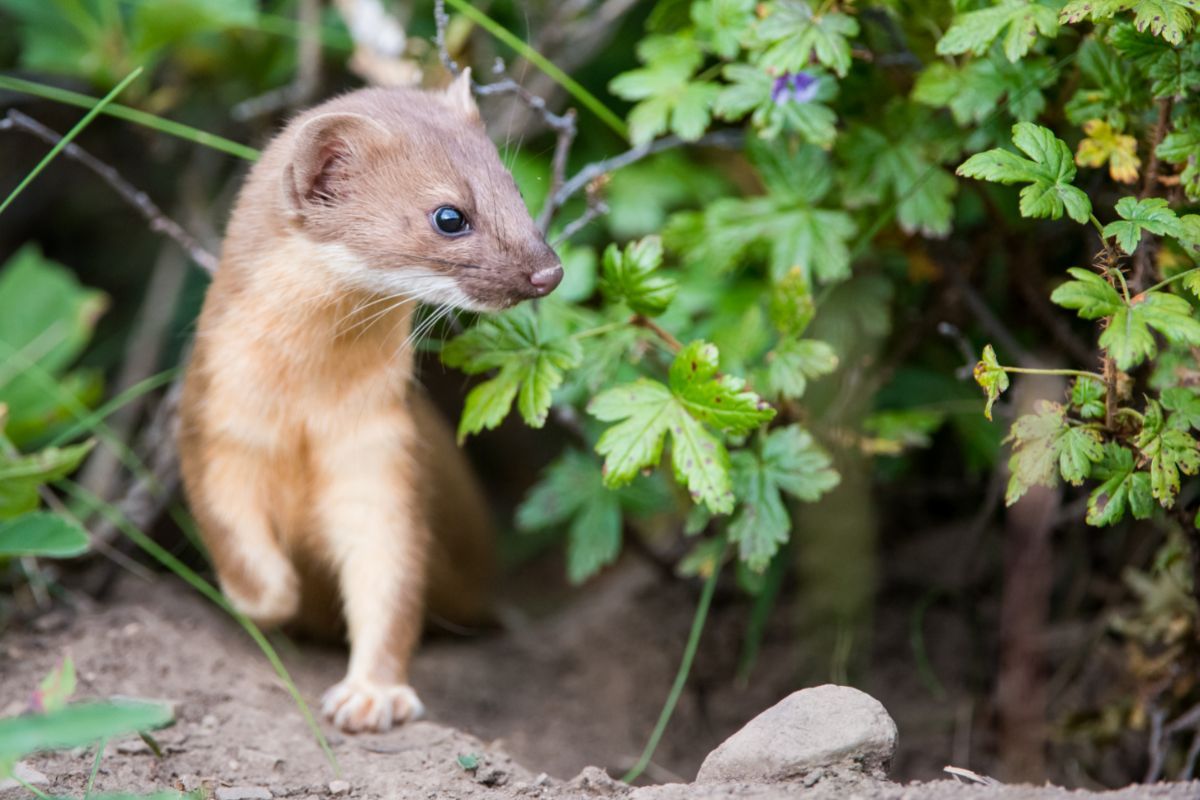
(358,706)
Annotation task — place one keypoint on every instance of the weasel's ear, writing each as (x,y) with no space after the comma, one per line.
(322,159)
(459,95)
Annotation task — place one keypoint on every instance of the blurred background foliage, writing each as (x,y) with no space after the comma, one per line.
(831,257)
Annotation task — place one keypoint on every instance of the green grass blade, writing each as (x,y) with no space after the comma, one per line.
(64,141)
(146,120)
(192,578)
(88,423)
(585,98)
(685,668)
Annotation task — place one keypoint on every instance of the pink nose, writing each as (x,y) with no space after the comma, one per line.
(544,280)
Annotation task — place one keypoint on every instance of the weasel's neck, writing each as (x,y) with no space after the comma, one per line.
(291,300)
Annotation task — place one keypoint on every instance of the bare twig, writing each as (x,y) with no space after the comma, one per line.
(304,86)
(596,207)
(159,222)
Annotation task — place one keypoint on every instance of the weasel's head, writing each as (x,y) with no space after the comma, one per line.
(408,196)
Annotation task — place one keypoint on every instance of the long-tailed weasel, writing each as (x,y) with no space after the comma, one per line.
(312,467)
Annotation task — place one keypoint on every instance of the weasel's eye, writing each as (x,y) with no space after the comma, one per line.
(450,221)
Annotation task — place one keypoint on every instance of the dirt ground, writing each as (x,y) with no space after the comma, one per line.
(562,687)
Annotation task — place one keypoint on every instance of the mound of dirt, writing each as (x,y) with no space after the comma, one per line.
(543,699)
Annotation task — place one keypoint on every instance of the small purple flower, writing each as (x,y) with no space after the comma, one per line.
(795,87)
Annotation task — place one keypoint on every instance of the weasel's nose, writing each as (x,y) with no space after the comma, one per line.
(544,280)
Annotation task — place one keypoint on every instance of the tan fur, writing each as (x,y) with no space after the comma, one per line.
(313,468)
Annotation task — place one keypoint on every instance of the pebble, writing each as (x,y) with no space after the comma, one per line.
(827,726)
(26,773)
(338,788)
(242,793)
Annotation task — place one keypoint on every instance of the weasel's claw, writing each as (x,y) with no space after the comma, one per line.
(360,706)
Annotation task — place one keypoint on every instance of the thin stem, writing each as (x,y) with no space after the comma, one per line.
(600,329)
(29,787)
(1173,278)
(685,668)
(1124,286)
(643,321)
(1098,225)
(87,793)
(1034,371)
(64,141)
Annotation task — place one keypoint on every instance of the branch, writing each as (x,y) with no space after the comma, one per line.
(726,138)
(596,207)
(562,124)
(159,222)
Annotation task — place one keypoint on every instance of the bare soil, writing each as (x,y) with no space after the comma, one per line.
(565,685)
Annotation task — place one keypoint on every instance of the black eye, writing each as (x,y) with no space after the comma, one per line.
(450,221)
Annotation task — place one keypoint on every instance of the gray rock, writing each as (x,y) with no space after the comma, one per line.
(827,726)
(242,793)
(339,787)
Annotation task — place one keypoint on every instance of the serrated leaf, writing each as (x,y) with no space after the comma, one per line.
(1176,74)
(787,460)
(531,368)
(724,23)
(1184,401)
(794,362)
(646,411)
(669,99)
(1049,171)
(1170,19)
(1151,214)
(42,534)
(991,377)
(632,277)
(1087,396)
(1122,488)
(1128,339)
(749,90)
(1045,446)
(974,90)
(1089,293)
(1103,145)
(1171,452)
(1019,21)
(794,35)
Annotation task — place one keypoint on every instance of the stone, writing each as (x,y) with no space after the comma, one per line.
(242,793)
(338,788)
(826,726)
(26,774)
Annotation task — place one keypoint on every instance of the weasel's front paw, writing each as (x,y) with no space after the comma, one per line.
(358,706)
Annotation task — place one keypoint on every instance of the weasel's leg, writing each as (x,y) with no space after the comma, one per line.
(228,500)
(373,528)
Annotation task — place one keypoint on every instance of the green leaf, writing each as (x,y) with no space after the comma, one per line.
(974,31)
(1044,446)
(1182,146)
(46,319)
(724,23)
(794,35)
(79,725)
(1185,402)
(1049,171)
(632,277)
(786,460)
(974,90)
(1151,214)
(1087,395)
(794,362)
(531,367)
(20,476)
(991,377)
(669,99)
(1171,452)
(1089,293)
(1170,19)
(1128,339)
(646,411)
(1176,74)
(42,534)
(1122,488)
(572,489)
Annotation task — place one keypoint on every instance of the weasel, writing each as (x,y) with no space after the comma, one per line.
(313,467)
